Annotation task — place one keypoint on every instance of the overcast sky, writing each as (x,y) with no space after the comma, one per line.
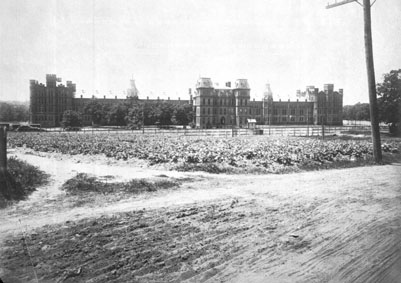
(166,45)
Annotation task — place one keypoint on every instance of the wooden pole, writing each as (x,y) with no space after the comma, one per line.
(3,149)
(374,113)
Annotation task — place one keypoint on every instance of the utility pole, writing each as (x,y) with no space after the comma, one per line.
(3,149)
(374,113)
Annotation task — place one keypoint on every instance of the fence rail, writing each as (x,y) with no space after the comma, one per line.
(259,130)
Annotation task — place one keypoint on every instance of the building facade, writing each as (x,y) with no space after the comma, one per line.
(213,107)
(49,101)
(232,107)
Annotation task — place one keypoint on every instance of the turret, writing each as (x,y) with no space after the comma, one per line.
(204,87)
(242,97)
(51,80)
(267,105)
(268,94)
(328,88)
(132,92)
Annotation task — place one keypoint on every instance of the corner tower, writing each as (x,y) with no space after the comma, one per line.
(203,102)
(242,96)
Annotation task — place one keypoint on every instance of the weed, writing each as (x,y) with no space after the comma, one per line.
(20,180)
(83,184)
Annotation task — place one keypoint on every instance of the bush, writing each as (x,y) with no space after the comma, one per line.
(20,180)
(83,183)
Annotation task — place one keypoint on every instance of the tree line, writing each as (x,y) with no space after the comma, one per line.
(132,113)
(388,100)
(14,112)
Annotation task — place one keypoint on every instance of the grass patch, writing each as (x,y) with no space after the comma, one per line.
(20,180)
(83,183)
(204,167)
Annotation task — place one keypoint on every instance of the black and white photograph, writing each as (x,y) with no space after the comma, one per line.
(200,141)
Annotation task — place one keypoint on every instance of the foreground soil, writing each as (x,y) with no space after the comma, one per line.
(324,226)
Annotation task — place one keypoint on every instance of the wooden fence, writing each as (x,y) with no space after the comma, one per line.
(259,130)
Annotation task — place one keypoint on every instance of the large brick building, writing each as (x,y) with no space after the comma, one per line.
(232,107)
(48,102)
(213,107)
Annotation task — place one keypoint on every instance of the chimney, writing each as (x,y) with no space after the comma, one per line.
(115,97)
(104,96)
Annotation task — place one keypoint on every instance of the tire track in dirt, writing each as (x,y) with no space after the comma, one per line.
(307,227)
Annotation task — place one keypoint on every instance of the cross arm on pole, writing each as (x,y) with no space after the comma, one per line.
(335,4)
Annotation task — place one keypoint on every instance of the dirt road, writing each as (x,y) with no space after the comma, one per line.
(324,226)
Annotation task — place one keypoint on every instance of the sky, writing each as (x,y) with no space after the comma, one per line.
(167,45)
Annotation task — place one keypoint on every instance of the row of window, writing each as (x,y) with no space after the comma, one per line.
(224,102)
(221,111)
(291,112)
(44,118)
(223,121)
(292,119)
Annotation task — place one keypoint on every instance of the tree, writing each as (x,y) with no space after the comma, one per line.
(71,119)
(362,112)
(389,101)
(135,116)
(117,115)
(96,111)
(359,111)
(182,115)
(13,112)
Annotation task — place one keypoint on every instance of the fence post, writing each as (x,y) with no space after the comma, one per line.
(3,149)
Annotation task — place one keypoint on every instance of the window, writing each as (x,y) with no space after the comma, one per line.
(292,111)
(292,119)
(301,119)
(301,112)
(208,111)
(275,112)
(284,111)
(284,119)
(208,101)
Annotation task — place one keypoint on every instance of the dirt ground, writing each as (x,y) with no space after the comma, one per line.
(323,226)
